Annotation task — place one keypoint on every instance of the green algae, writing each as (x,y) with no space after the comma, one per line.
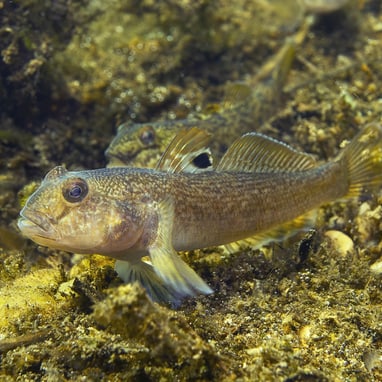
(280,314)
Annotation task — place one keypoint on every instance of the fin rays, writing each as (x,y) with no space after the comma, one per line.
(255,152)
(362,159)
(182,153)
(145,275)
(180,279)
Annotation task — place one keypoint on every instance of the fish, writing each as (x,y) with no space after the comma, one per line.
(261,190)
(245,106)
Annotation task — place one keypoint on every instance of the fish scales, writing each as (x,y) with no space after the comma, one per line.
(218,208)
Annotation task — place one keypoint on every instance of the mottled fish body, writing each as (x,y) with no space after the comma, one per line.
(261,190)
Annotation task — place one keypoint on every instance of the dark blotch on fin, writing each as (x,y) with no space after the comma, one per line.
(202,161)
(184,150)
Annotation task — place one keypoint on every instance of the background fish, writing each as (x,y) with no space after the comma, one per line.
(261,190)
(248,107)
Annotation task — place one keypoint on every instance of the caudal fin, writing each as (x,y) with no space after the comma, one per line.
(363,160)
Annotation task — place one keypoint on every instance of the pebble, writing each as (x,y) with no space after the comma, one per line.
(377,266)
(341,242)
(324,6)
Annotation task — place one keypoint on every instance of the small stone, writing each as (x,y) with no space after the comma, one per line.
(340,242)
(324,6)
(305,334)
(377,266)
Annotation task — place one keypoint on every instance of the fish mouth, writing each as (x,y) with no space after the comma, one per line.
(37,225)
(117,158)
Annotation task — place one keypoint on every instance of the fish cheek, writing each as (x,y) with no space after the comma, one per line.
(122,230)
(123,149)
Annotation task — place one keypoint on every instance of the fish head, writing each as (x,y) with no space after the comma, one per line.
(139,144)
(130,140)
(69,211)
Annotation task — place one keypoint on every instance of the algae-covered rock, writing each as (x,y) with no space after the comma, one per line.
(128,312)
(27,298)
(127,57)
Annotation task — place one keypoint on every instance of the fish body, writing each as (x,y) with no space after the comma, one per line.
(249,106)
(261,190)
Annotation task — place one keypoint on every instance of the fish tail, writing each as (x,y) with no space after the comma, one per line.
(362,160)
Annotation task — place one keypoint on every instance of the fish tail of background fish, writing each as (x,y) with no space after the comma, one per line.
(362,161)
(268,83)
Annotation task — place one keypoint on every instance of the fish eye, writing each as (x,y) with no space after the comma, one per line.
(147,135)
(75,191)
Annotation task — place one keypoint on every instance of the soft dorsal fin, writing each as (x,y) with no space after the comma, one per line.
(187,152)
(255,152)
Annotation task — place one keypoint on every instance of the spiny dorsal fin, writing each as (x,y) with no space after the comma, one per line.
(255,152)
(187,152)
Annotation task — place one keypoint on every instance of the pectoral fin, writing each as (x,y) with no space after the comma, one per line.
(235,93)
(176,274)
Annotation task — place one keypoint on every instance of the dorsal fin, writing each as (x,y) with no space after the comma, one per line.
(255,152)
(187,152)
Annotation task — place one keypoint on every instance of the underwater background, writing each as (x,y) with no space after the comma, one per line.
(307,309)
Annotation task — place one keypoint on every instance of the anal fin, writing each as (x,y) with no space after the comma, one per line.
(278,233)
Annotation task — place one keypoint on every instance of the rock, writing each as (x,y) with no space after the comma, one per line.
(340,242)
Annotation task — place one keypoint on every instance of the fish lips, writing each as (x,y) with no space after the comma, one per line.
(36,225)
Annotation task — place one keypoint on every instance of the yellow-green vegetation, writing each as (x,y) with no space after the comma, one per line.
(126,62)
(28,298)
(167,336)
(307,309)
